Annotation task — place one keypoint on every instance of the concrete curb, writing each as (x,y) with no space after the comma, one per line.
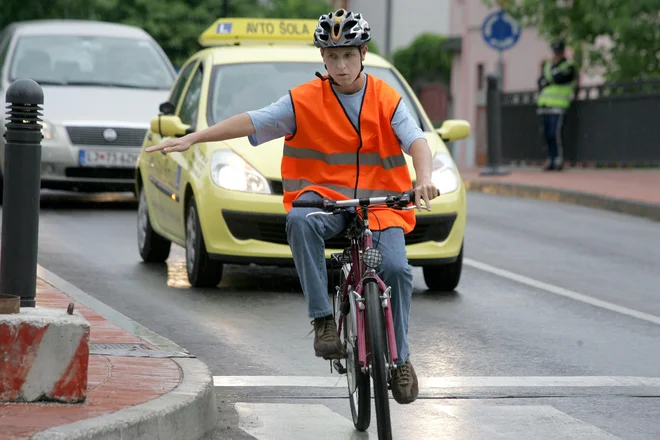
(613,204)
(189,412)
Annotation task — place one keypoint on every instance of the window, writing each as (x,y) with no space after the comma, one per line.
(90,60)
(190,104)
(181,82)
(237,88)
(480,76)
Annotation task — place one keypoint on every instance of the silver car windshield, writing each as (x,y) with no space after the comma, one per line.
(237,88)
(93,61)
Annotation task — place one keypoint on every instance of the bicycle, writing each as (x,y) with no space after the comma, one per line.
(364,321)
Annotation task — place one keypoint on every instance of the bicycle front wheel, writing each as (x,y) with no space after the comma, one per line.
(378,356)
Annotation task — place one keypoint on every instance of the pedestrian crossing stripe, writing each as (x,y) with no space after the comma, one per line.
(287,421)
(445,382)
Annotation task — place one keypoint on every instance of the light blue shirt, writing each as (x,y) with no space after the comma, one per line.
(278,119)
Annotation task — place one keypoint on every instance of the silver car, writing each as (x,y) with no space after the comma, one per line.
(102,83)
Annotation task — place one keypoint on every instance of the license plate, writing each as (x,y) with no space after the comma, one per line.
(114,159)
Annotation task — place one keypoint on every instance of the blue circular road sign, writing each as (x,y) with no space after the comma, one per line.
(500,31)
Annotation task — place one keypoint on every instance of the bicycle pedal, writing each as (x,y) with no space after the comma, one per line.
(339,367)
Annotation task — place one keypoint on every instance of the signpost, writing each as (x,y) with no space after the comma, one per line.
(501,32)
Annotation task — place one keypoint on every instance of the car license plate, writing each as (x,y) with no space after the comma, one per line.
(114,159)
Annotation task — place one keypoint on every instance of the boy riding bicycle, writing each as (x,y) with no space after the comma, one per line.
(346,134)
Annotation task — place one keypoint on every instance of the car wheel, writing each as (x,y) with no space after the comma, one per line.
(202,271)
(153,247)
(444,278)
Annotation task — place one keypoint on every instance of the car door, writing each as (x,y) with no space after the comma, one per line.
(175,163)
(157,191)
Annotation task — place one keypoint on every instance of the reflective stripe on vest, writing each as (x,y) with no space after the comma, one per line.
(330,156)
(555,95)
(346,158)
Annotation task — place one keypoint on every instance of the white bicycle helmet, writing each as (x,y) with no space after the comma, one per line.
(341,29)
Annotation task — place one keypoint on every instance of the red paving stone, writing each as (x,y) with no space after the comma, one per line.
(628,184)
(114,382)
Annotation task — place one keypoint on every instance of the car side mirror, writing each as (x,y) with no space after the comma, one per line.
(169,126)
(454,129)
(167,108)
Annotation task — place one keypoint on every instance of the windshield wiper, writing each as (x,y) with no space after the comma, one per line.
(110,84)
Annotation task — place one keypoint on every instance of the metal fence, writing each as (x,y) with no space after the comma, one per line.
(606,125)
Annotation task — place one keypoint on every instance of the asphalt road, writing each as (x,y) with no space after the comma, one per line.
(549,291)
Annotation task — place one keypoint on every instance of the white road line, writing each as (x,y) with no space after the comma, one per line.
(286,421)
(540,422)
(444,382)
(561,291)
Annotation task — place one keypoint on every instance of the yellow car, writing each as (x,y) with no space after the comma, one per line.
(222,201)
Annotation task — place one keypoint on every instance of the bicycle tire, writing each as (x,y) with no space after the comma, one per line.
(361,390)
(378,354)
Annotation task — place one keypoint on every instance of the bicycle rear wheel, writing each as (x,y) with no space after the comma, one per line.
(359,386)
(379,357)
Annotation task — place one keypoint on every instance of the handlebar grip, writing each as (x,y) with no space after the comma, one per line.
(308,204)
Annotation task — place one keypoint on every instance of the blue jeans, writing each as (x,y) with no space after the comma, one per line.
(306,237)
(553,126)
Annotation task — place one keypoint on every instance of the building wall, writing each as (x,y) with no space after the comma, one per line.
(409,19)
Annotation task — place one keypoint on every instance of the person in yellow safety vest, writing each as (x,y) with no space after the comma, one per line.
(556,85)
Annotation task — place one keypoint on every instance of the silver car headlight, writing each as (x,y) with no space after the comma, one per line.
(444,175)
(230,171)
(47,130)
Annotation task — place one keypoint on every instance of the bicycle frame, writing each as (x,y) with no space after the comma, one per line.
(363,274)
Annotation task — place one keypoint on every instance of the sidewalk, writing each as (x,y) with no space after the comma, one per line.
(138,389)
(629,191)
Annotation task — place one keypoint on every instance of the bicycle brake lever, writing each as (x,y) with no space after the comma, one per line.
(410,208)
(319,213)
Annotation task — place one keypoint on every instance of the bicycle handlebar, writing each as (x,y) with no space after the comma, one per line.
(398,201)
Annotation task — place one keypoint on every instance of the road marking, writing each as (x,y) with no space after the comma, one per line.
(561,291)
(286,421)
(278,421)
(540,422)
(445,382)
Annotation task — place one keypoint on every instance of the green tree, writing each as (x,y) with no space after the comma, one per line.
(424,60)
(297,8)
(633,26)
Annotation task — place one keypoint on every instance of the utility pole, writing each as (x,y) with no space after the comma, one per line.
(388,28)
(225,8)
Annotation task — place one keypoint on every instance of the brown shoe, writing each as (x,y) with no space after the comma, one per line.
(326,339)
(404,384)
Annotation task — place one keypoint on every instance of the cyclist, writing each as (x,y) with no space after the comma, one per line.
(346,134)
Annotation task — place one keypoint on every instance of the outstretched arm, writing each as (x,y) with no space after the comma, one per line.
(231,128)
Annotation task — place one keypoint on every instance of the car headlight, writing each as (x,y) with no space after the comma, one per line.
(230,171)
(444,175)
(47,130)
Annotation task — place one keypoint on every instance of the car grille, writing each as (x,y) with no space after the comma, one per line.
(126,137)
(271,228)
(276,187)
(100,173)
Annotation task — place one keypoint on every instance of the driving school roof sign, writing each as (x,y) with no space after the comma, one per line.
(232,30)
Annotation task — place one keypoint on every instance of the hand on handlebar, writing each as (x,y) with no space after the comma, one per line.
(426,191)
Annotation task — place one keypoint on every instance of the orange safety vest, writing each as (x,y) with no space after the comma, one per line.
(330,156)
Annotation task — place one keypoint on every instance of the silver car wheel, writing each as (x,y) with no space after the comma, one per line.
(143,219)
(191,236)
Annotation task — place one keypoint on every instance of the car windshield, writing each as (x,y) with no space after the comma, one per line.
(237,88)
(94,61)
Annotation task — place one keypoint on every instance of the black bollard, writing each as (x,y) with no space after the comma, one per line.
(494,127)
(21,192)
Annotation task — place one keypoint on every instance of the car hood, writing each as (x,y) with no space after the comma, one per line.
(107,104)
(266,158)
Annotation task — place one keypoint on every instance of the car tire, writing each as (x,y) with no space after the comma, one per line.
(444,278)
(202,271)
(153,247)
